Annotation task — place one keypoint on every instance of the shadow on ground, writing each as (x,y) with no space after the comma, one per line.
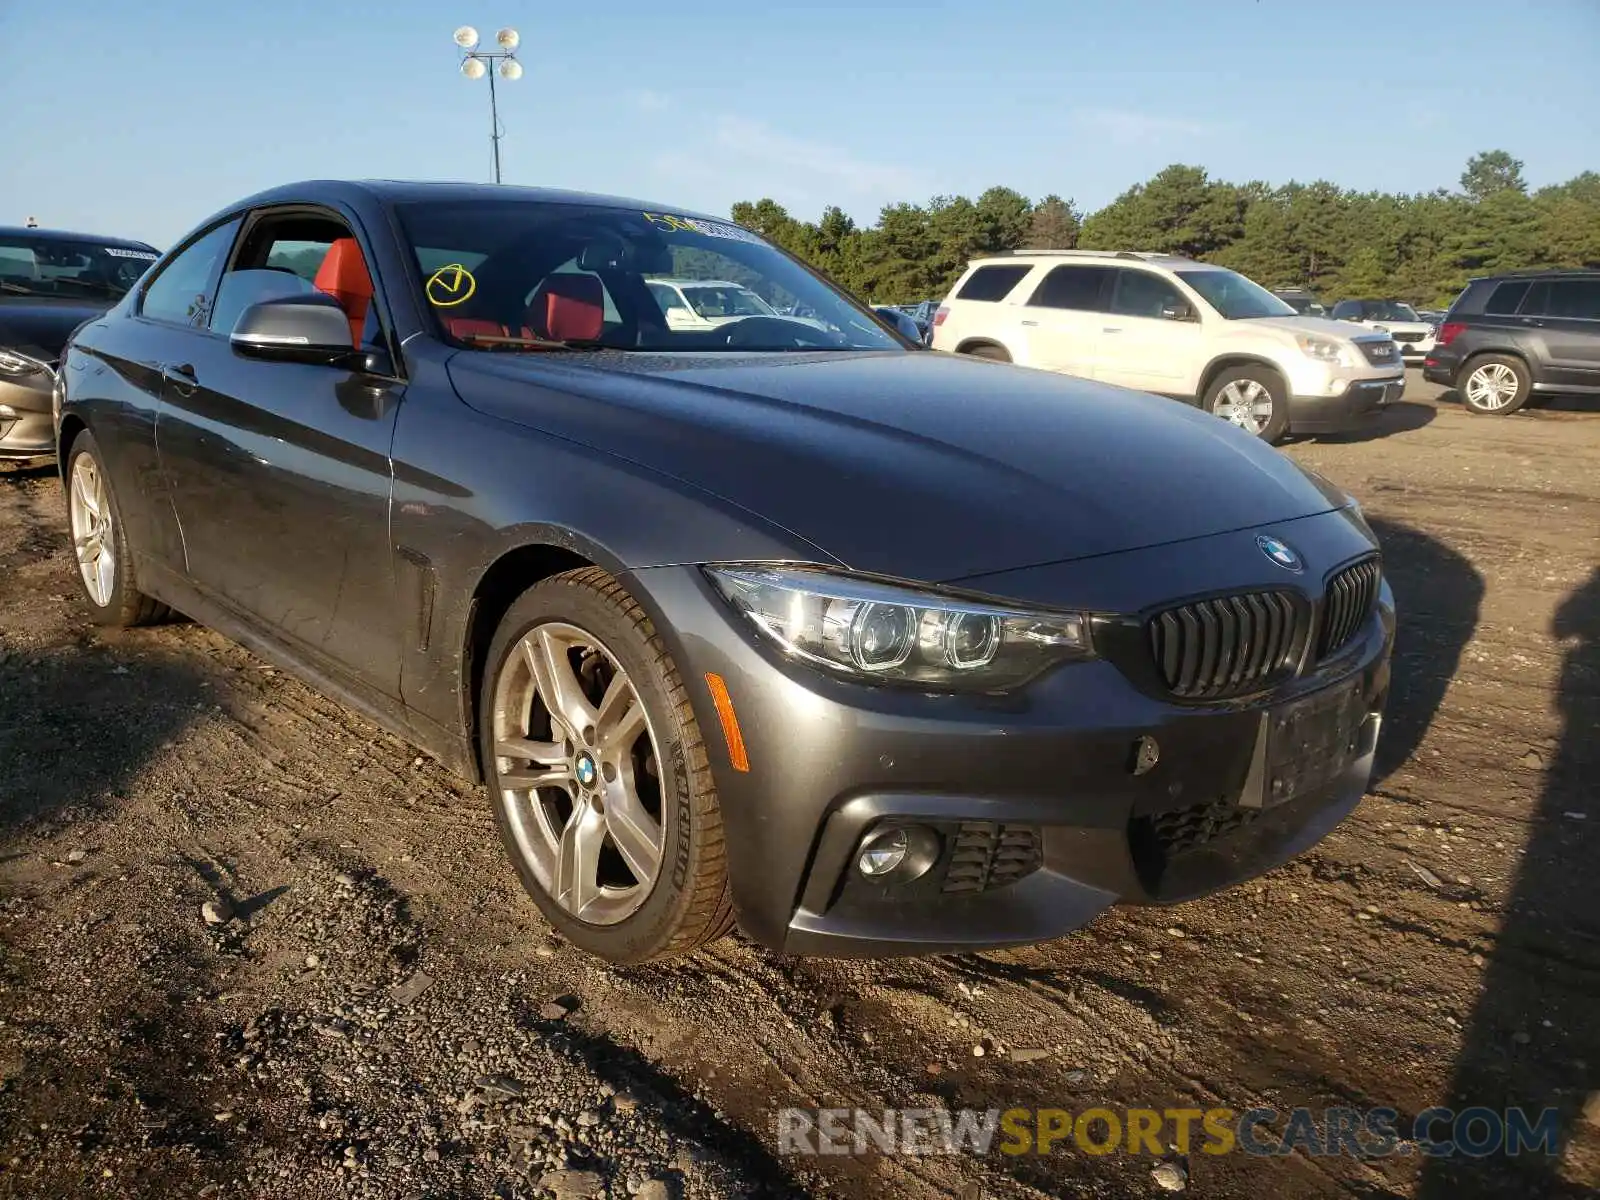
(1532,1040)
(1403,417)
(76,724)
(1437,595)
(1540,403)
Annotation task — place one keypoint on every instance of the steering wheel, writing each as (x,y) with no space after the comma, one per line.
(776,333)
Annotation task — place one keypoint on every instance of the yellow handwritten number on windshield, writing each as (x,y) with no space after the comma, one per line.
(450,285)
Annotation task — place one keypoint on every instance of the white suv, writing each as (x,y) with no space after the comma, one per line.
(1176,327)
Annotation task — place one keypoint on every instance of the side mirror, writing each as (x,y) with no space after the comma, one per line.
(307,329)
(1180,311)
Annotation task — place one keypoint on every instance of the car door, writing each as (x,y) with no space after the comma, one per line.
(1151,340)
(158,331)
(1564,314)
(279,471)
(1062,319)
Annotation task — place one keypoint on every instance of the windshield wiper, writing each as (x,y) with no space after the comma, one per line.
(17,288)
(496,341)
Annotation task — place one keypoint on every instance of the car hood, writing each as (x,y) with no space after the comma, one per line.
(916,465)
(39,328)
(1322,326)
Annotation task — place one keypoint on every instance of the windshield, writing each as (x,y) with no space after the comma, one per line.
(1234,296)
(1390,310)
(51,266)
(520,275)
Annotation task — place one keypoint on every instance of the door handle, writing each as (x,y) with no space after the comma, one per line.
(181,376)
(1031,324)
(1111,329)
(1534,321)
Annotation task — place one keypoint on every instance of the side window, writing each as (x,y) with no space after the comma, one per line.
(240,289)
(1143,294)
(1082,289)
(1537,301)
(1347,310)
(293,254)
(1575,298)
(1506,298)
(181,293)
(993,283)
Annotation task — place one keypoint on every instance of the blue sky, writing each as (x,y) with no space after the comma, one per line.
(139,118)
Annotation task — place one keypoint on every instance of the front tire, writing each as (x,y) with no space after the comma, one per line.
(1495,385)
(1255,399)
(100,544)
(598,775)
(989,351)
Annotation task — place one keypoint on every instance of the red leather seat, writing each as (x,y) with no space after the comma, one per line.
(343,275)
(465,327)
(568,308)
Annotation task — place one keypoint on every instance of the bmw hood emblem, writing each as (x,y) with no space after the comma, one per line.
(1281,553)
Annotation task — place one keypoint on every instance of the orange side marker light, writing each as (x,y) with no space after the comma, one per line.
(730,721)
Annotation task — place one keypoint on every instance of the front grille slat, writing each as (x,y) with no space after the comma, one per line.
(1259,652)
(1190,648)
(1229,645)
(1347,604)
(1226,646)
(1380,353)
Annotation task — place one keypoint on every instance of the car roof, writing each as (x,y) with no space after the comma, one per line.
(401,191)
(1154,257)
(1545,273)
(63,235)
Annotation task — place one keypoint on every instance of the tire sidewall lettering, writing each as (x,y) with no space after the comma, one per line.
(683,814)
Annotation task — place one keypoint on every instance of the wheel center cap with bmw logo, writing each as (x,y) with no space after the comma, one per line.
(585,770)
(1281,553)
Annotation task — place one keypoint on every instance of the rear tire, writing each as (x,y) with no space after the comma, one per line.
(615,830)
(1494,385)
(991,352)
(100,544)
(1256,399)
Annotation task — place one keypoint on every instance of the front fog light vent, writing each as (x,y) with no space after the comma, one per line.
(898,854)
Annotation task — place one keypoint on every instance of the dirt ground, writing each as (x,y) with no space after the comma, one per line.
(1441,947)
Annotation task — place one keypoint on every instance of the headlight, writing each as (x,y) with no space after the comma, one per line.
(12,363)
(880,632)
(1323,349)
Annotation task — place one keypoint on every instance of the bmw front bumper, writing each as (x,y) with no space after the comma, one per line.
(1045,803)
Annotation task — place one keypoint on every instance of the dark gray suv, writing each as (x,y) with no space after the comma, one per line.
(1510,337)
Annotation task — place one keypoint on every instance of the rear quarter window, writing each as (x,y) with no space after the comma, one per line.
(993,283)
(1506,298)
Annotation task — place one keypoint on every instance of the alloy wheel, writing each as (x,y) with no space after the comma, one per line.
(578,770)
(93,533)
(1246,403)
(1492,386)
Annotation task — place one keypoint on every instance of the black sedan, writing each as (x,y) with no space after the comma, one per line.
(870,650)
(50,283)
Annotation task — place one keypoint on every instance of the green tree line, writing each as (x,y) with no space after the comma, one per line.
(1335,241)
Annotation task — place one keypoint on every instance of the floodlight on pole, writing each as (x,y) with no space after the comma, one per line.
(476,63)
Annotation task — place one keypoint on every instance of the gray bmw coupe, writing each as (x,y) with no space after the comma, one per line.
(738,616)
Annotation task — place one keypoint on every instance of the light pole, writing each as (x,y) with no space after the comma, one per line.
(475,64)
